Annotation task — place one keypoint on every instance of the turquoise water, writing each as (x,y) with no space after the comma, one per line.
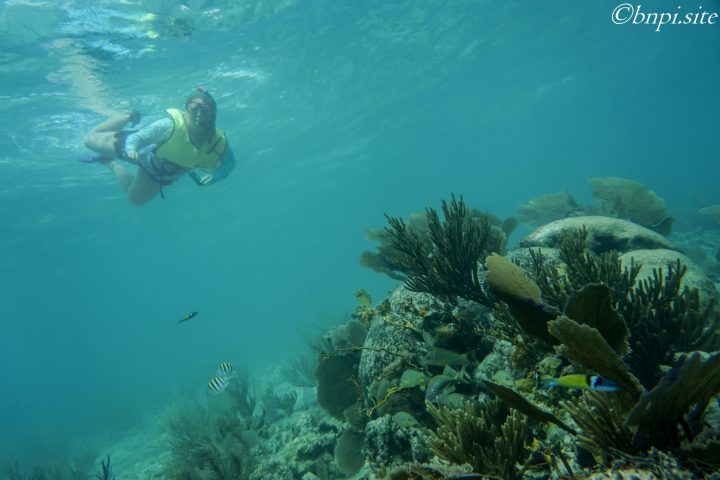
(338,112)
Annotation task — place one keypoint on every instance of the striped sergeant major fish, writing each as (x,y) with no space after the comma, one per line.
(216,385)
(225,369)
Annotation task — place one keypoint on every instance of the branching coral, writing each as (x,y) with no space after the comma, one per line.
(597,297)
(601,420)
(383,261)
(553,285)
(581,267)
(584,267)
(667,418)
(447,264)
(660,317)
(663,319)
(488,436)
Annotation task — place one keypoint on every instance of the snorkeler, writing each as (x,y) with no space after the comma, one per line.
(165,149)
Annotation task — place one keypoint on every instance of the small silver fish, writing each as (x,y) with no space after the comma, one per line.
(225,369)
(216,385)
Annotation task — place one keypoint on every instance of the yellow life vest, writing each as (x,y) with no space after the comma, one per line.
(180,150)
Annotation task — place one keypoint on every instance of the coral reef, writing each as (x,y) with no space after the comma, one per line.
(388,444)
(446,377)
(585,299)
(299,446)
(602,291)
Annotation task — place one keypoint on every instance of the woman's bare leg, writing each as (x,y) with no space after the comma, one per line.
(143,188)
(102,138)
(140,188)
(124,176)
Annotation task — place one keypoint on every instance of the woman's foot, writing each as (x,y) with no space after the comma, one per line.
(134,118)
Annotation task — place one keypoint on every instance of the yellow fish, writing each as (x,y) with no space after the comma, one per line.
(584,382)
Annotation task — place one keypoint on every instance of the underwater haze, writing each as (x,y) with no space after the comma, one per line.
(337,112)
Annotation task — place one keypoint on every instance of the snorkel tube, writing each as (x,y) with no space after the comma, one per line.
(206,98)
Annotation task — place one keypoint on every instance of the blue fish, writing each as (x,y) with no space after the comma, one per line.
(188,317)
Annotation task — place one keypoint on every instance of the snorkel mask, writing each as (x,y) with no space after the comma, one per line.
(202,100)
